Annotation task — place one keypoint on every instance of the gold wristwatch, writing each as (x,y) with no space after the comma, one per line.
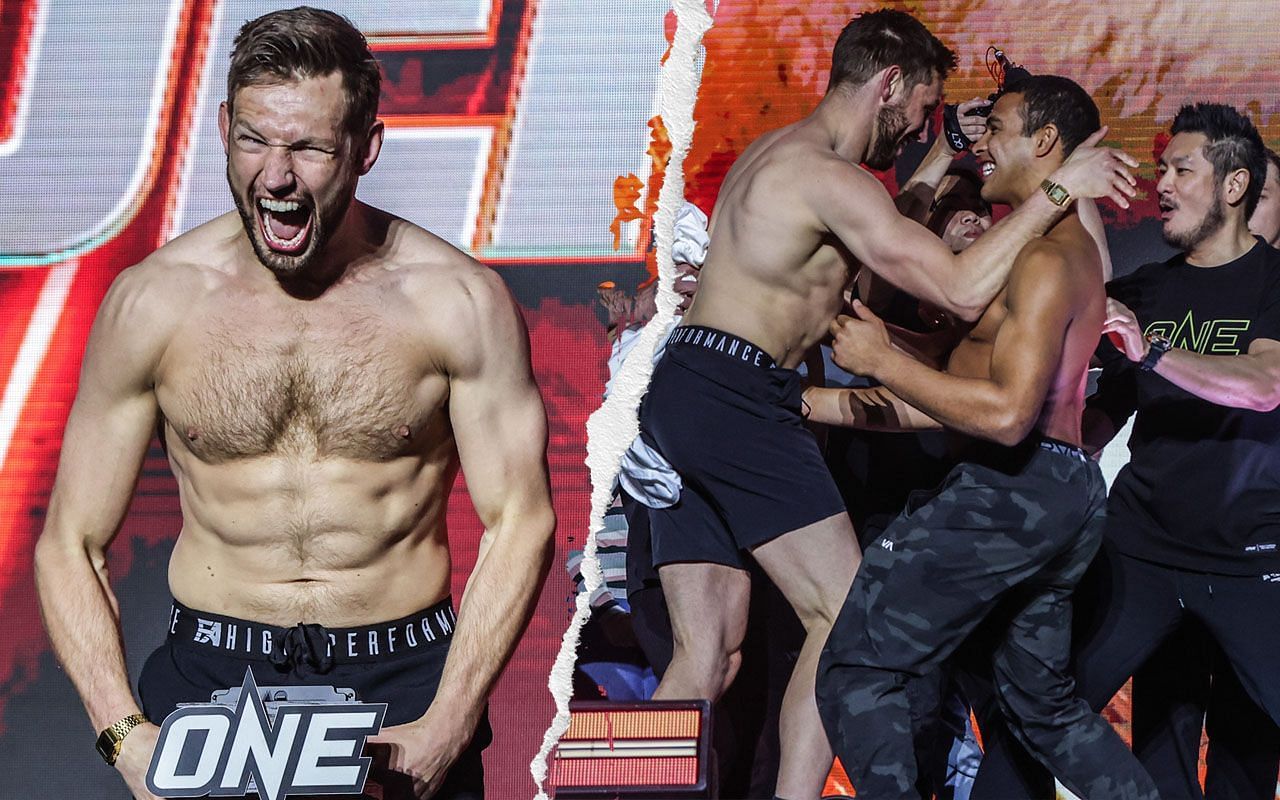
(110,741)
(1057,195)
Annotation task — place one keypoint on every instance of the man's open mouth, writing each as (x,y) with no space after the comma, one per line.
(986,168)
(286,224)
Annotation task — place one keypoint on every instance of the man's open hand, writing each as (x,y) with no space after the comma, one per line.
(1093,171)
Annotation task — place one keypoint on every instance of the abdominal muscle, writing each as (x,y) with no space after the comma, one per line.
(333,541)
(784,314)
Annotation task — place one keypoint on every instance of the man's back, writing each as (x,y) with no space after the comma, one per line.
(771,275)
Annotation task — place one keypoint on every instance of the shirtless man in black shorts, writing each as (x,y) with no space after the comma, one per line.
(319,369)
(794,216)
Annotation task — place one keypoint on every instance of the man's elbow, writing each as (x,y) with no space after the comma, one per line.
(963,302)
(52,561)
(542,532)
(1010,426)
(1265,402)
(970,312)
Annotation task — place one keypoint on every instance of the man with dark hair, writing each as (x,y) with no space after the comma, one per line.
(319,370)
(1192,537)
(1265,220)
(794,215)
(876,38)
(998,547)
(1186,688)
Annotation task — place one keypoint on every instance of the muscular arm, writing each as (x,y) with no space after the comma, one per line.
(103,447)
(501,431)
(874,409)
(916,195)
(853,205)
(1025,354)
(1250,381)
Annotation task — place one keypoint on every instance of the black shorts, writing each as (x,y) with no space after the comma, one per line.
(398,663)
(729,422)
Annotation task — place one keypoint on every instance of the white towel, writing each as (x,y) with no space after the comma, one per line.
(691,239)
(648,477)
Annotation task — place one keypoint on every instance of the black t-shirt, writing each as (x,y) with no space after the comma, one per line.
(1202,488)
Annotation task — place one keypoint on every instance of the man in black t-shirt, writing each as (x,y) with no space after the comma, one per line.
(1193,521)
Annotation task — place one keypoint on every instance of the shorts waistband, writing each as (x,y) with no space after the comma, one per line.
(1014,458)
(716,341)
(1064,449)
(316,644)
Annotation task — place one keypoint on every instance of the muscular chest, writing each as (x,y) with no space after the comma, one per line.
(971,358)
(352,385)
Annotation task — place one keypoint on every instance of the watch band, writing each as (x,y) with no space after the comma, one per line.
(111,739)
(1157,347)
(1056,192)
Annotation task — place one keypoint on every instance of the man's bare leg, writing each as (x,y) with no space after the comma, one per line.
(708,608)
(814,567)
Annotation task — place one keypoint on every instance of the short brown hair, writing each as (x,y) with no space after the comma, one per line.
(307,42)
(885,38)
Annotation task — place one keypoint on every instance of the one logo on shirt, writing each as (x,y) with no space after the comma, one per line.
(1219,337)
(213,750)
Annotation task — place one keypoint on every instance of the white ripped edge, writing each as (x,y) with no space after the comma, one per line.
(612,428)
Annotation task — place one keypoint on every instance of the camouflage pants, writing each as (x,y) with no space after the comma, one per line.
(1015,533)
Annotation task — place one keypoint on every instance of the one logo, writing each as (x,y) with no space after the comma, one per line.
(212,750)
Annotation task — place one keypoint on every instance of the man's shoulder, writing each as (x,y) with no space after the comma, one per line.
(794,152)
(169,280)
(1131,286)
(1268,260)
(1048,256)
(441,279)
(426,260)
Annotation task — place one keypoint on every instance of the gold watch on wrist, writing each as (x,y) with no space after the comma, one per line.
(1056,192)
(112,739)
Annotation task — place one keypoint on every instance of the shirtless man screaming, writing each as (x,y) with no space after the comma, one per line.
(319,369)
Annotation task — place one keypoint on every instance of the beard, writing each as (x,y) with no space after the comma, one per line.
(1213,221)
(891,124)
(323,223)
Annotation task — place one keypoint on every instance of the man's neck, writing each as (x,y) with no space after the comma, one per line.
(1227,244)
(847,119)
(1030,184)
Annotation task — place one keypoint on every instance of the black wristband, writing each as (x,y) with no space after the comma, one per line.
(951,128)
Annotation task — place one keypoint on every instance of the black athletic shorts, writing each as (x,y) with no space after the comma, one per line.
(398,663)
(729,422)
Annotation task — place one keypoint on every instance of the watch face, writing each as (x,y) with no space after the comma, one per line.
(106,747)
